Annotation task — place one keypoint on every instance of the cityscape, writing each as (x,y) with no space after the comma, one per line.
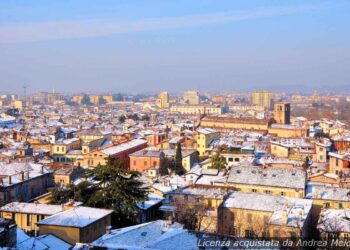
(165,132)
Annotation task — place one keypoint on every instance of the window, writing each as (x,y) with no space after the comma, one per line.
(254,190)
(28,220)
(321,157)
(232,230)
(249,234)
(337,162)
(327,205)
(321,149)
(230,159)
(236,159)
(267,192)
(283,193)
(134,162)
(154,163)
(340,205)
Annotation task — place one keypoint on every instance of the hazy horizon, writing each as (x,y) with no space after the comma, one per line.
(150,46)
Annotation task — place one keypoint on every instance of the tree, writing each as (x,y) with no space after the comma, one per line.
(145,118)
(191,215)
(102,101)
(178,168)
(107,186)
(122,119)
(165,165)
(218,161)
(116,188)
(86,100)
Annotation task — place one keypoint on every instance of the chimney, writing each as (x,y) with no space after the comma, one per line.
(108,229)
(21,176)
(9,179)
(41,169)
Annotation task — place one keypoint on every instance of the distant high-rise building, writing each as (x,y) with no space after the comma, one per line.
(262,98)
(163,100)
(191,97)
(281,112)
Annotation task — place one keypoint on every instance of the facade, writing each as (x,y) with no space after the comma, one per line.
(119,153)
(281,112)
(277,181)
(252,215)
(199,109)
(26,215)
(219,122)
(145,159)
(77,225)
(204,137)
(191,97)
(163,100)
(23,181)
(262,98)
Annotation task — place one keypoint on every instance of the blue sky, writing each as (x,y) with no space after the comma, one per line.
(150,46)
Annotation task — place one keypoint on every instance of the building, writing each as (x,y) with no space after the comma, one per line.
(287,131)
(339,163)
(281,112)
(163,100)
(277,181)
(145,159)
(23,181)
(252,215)
(26,215)
(199,109)
(80,224)
(119,152)
(189,157)
(334,224)
(262,98)
(159,234)
(191,97)
(204,137)
(221,122)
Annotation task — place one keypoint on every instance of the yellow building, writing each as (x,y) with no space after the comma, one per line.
(26,215)
(108,98)
(204,137)
(220,122)
(17,104)
(287,131)
(262,98)
(95,99)
(77,98)
(278,181)
(163,100)
(252,215)
(281,113)
(80,224)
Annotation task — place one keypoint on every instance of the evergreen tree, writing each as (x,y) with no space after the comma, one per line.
(164,167)
(86,100)
(178,160)
(218,162)
(122,119)
(102,101)
(116,188)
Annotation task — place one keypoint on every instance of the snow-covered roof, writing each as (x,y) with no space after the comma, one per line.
(277,177)
(124,146)
(31,208)
(77,217)
(153,235)
(334,220)
(276,204)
